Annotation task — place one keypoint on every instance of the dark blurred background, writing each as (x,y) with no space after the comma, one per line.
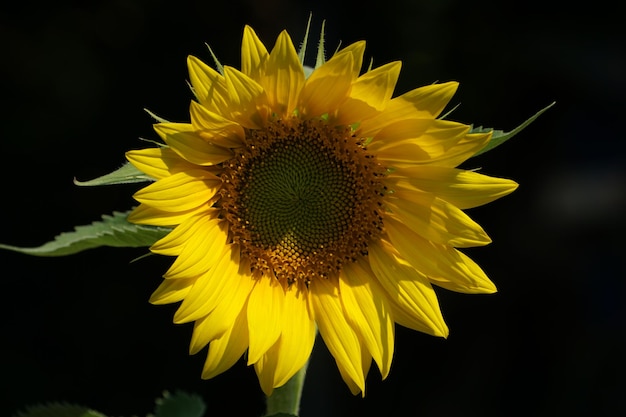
(74,80)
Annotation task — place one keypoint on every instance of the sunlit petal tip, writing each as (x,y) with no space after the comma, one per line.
(170,292)
(254,55)
(488,287)
(464,189)
(227,349)
(284,76)
(356,51)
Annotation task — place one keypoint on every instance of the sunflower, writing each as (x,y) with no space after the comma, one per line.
(311,201)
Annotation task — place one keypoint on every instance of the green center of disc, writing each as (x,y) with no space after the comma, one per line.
(298,196)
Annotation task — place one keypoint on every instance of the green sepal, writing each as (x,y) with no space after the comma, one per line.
(58,410)
(282,415)
(114,230)
(180,404)
(302,50)
(126,174)
(499,136)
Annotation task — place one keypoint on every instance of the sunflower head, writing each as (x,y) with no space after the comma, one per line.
(311,202)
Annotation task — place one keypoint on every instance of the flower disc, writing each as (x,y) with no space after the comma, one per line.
(303,198)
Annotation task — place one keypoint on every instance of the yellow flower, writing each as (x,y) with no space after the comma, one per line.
(311,203)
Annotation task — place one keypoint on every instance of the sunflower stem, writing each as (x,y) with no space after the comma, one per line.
(286,399)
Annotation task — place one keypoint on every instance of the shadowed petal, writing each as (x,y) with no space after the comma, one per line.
(410,291)
(421,103)
(367,309)
(181,191)
(248,101)
(265,307)
(464,189)
(254,55)
(191,147)
(214,128)
(327,86)
(228,348)
(284,76)
(209,86)
(369,94)
(171,291)
(158,162)
(435,219)
(444,265)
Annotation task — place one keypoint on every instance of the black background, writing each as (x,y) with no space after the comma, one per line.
(74,80)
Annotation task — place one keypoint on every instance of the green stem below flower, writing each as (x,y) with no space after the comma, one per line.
(286,399)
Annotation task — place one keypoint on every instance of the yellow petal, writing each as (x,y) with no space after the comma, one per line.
(355,50)
(409,290)
(464,189)
(435,219)
(210,287)
(327,86)
(292,350)
(422,103)
(144,214)
(265,369)
(201,250)
(369,94)
(223,316)
(340,338)
(366,361)
(254,55)
(228,348)
(158,162)
(367,309)
(191,147)
(214,128)
(284,76)
(209,86)
(166,129)
(248,101)
(297,337)
(265,309)
(171,291)
(180,192)
(444,265)
(174,242)
(420,141)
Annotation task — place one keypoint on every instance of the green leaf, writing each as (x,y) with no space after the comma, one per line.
(126,174)
(180,404)
(58,410)
(113,230)
(499,137)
